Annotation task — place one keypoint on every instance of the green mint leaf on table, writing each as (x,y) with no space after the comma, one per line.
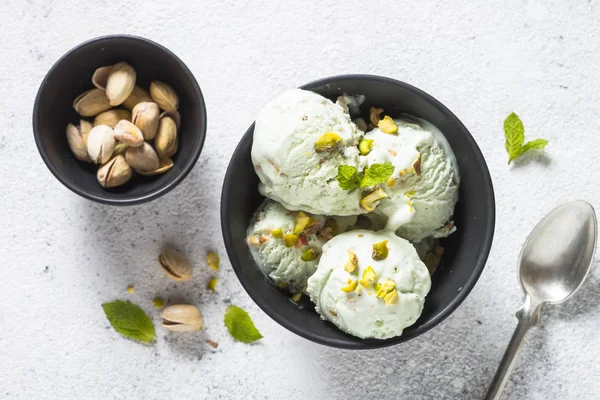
(129,320)
(514,132)
(240,325)
(347,178)
(376,174)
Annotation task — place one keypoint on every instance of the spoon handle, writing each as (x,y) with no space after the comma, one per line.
(529,316)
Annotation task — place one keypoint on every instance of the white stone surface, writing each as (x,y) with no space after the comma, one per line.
(62,256)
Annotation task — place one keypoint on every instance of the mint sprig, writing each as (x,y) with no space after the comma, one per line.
(129,320)
(349,178)
(240,325)
(514,133)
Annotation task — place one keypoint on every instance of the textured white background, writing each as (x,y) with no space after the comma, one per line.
(62,256)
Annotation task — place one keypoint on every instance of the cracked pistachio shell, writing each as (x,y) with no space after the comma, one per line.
(164,165)
(164,95)
(114,173)
(112,117)
(77,143)
(142,158)
(126,132)
(175,265)
(145,116)
(101,144)
(85,127)
(138,95)
(166,141)
(100,76)
(181,318)
(120,83)
(91,103)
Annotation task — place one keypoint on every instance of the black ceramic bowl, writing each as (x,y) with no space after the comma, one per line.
(466,250)
(71,76)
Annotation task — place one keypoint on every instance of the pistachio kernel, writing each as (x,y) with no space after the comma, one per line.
(290,239)
(277,233)
(296,297)
(387,125)
(391,298)
(130,289)
(309,255)
(351,286)
(253,240)
(384,288)
(352,264)
(368,278)
(213,260)
(301,221)
(365,146)
(380,251)
(367,202)
(158,302)
(212,284)
(375,115)
(327,141)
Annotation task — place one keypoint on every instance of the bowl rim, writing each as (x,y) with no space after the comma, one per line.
(490,204)
(132,200)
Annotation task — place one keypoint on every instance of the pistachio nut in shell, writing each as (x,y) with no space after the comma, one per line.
(77,143)
(166,141)
(101,144)
(127,132)
(175,265)
(114,173)
(112,117)
(142,158)
(120,83)
(173,114)
(138,95)
(164,95)
(164,165)
(100,76)
(85,127)
(182,318)
(145,116)
(91,103)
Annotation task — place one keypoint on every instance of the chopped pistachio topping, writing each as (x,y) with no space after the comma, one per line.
(327,141)
(384,288)
(365,146)
(290,239)
(368,278)
(375,115)
(130,289)
(158,302)
(391,182)
(253,240)
(410,194)
(296,297)
(352,263)
(213,260)
(309,255)
(417,165)
(301,221)
(410,206)
(212,284)
(277,233)
(282,285)
(330,229)
(387,125)
(367,202)
(351,286)
(380,251)
(391,298)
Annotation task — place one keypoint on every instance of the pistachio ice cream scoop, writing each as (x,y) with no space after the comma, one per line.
(423,189)
(286,245)
(369,284)
(300,140)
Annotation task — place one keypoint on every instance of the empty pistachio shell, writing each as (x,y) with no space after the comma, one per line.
(126,132)
(114,173)
(120,83)
(111,117)
(91,103)
(165,164)
(164,95)
(173,114)
(101,144)
(100,76)
(166,141)
(142,158)
(182,318)
(138,95)
(77,143)
(145,116)
(175,265)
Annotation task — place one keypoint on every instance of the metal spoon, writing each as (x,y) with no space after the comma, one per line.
(555,261)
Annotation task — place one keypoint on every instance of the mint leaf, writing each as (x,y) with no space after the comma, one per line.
(347,178)
(514,133)
(240,325)
(376,174)
(129,320)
